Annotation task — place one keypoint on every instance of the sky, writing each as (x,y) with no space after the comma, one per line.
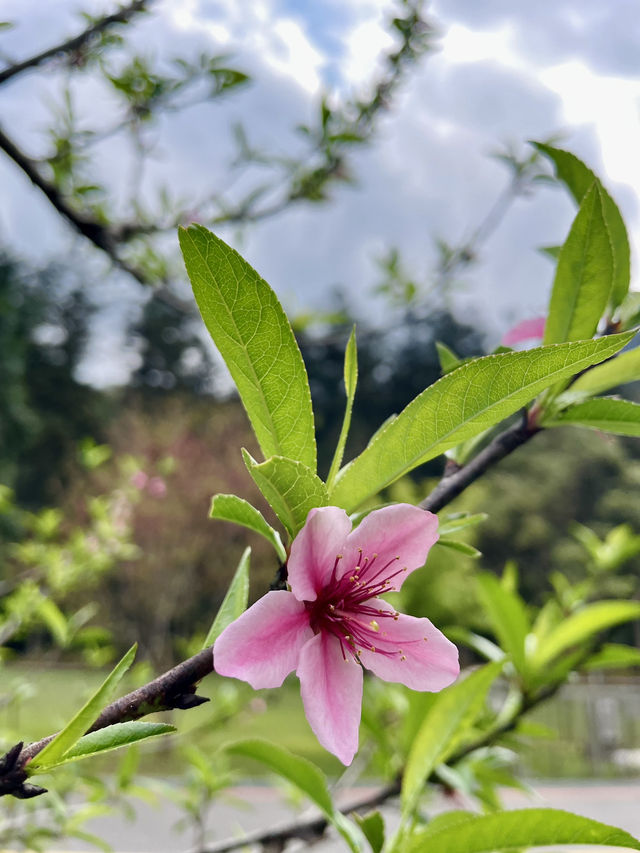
(504,72)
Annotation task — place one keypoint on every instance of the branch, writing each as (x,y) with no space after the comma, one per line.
(174,690)
(122,16)
(104,237)
(456,481)
(306,830)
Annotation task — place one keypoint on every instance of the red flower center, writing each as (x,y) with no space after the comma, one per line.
(344,607)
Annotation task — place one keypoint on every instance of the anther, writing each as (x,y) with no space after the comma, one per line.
(374,625)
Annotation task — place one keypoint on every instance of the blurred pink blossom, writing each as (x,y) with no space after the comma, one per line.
(139,480)
(527,330)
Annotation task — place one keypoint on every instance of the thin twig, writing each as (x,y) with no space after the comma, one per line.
(122,16)
(455,482)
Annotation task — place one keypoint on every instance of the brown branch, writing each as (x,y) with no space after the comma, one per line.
(456,481)
(174,690)
(122,16)
(104,237)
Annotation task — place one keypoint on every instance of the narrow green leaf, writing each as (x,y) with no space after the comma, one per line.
(519,828)
(304,775)
(458,521)
(109,738)
(460,405)
(584,275)
(583,625)
(617,371)
(460,547)
(85,717)
(608,414)
(578,178)
(350,382)
(447,358)
(613,656)
(253,334)
(445,725)
(486,648)
(55,621)
(507,615)
(235,601)
(373,827)
(290,487)
(551,251)
(239,511)
(446,820)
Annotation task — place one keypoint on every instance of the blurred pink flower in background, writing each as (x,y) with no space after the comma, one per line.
(139,480)
(332,622)
(527,330)
(157,487)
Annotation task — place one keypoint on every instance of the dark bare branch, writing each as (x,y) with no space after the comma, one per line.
(173,690)
(122,16)
(456,481)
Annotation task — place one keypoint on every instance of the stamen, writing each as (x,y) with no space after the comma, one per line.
(374,625)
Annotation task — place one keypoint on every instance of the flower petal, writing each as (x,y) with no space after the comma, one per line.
(314,551)
(263,645)
(400,535)
(403,655)
(331,689)
(525,331)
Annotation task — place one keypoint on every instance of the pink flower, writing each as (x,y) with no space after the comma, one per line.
(139,480)
(157,487)
(532,329)
(332,622)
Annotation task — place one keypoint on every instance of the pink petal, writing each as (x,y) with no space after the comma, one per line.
(400,535)
(428,665)
(525,331)
(314,551)
(331,689)
(263,645)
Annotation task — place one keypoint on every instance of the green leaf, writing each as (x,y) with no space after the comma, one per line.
(235,601)
(581,626)
(507,615)
(613,656)
(86,716)
(445,725)
(460,405)
(111,737)
(578,178)
(608,414)
(305,776)
(617,371)
(551,251)
(584,276)
(519,828)
(290,487)
(372,826)
(458,521)
(350,382)
(447,357)
(239,511)
(484,647)
(55,621)
(254,337)
(460,547)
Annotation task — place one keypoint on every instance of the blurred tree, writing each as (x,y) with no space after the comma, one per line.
(44,409)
